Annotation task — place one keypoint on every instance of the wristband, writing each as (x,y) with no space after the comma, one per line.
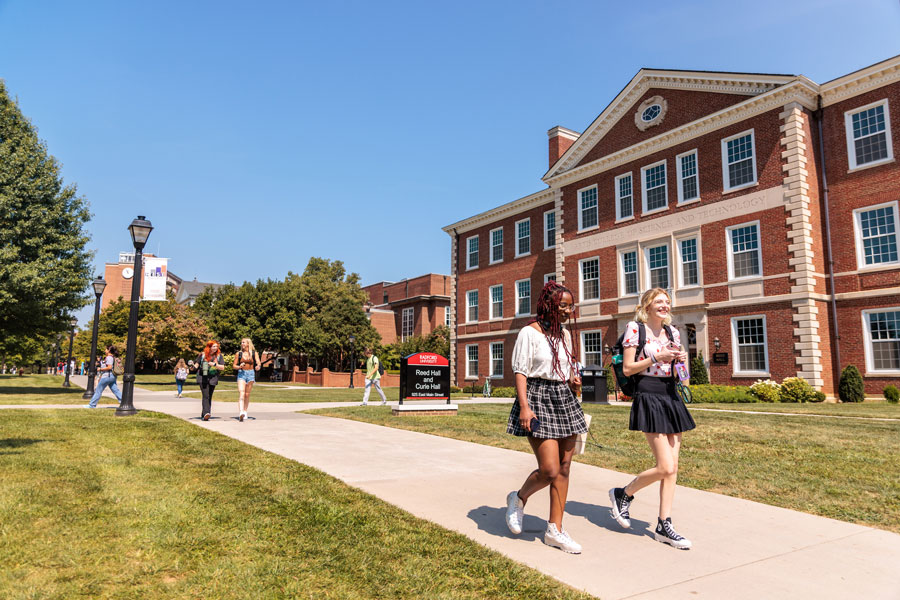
(651,356)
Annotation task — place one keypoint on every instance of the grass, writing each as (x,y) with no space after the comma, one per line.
(876,409)
(840,468)
(152,507)
(41,389)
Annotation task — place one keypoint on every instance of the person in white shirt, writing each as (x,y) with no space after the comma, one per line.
(546,410)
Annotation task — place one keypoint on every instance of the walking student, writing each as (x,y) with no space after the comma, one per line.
(656,410)
(373,378)
(546,411)
(209,364)
(181,374)
(247,362)
(106,377)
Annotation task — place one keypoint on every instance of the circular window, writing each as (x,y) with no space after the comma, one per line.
(650,113)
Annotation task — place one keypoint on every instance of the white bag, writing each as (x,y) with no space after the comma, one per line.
(581,438)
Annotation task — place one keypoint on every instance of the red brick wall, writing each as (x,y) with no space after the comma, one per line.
(852,340)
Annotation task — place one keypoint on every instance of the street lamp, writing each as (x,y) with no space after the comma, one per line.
(352,339)
(140,230)
(99,284)
(73,323)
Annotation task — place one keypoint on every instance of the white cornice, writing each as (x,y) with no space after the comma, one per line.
(862,81)
(561,131)
(800,90)
(495,214)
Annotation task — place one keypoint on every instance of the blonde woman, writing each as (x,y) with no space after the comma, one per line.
(181,375)
(656,409)
(246,360)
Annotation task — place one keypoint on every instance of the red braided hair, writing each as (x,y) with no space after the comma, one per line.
(548,318)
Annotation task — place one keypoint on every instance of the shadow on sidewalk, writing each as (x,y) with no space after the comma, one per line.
(599,516)
(492,520)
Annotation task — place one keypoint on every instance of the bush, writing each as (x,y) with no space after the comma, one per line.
(850,387)
(454,389)
(503,392)
(766,390)
(892,394)
(473,389)
(610,380)
(796,389)
(722,393)
(820,397)
(699,374)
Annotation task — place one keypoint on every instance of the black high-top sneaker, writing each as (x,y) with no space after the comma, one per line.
(620,503)
(666,534)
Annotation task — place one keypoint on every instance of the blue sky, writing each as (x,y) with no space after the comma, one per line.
(255,135)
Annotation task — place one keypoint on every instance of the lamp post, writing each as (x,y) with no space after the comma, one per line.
(99,285)
(72,325)
(352,339)
(140,230)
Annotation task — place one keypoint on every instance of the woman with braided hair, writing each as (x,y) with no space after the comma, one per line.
(546,410)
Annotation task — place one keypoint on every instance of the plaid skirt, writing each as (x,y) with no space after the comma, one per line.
(555,407)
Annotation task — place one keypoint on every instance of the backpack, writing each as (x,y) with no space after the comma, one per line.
(380,367)
(628,383)
(118,367)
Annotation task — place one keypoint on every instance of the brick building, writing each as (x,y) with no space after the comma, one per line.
(409,307)
(766,204)
(120,275)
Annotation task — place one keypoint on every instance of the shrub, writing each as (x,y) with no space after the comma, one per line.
(699,374)
(766,390)
(820,397)
(796,389)
(722,393)
(892,394)
(850,387)
(473,389)
(454,389)
(503,392)
(610,380)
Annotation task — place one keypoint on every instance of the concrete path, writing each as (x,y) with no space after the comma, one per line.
(742,549)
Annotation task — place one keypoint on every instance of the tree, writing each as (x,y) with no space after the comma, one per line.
(699,374)
(44,264)
(850,385)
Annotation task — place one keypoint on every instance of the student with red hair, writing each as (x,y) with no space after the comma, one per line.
(209,364)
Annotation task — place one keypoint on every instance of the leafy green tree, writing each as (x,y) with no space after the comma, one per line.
(44,264)
(850,386)
(699,374)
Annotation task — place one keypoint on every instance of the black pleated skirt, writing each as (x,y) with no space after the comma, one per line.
(657,409)
(555,407)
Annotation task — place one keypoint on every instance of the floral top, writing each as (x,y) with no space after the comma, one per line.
(631,341)
(533,358)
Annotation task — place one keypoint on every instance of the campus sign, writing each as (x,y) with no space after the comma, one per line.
(424,376)
(155,278)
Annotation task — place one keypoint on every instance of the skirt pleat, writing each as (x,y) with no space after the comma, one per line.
(555,407)
(657,409)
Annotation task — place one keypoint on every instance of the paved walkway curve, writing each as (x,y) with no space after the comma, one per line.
(742,549)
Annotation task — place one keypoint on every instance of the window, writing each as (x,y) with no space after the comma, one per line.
(496,302)
(738,161)
(523,297)
(497,359)
(658,266)
(496,245)
(629,273)
(407,323)
(592,342)
(549,277)
(523,237)
(472,253)
(654,191)
(472,361)
(624,197)
(384,298)
(869,135)
(472,304)
(587,213)
(750,349)
(744,257)
(590,279)
(690,274)
(882,333)
(688,179)
(549,230)
(447,316)
(876,235)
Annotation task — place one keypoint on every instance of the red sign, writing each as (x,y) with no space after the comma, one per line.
(428,359)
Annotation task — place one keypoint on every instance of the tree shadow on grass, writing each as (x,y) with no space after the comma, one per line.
(16,443)
(54,391)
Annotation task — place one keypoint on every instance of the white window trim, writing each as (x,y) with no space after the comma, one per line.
(581,299)
(403,314)
(645,254)
(578,208)
(547,277)
(644,170)
(681,200)
(583,357)
(556,230)
(491,358)
(470,268)
(678,240)
(725,187)
(848,129)
(867,342)
(734,347)
(619,217)
(621,269)
(467,304)
(530,296)
(730,251)
(516,230)
(857,234)
(469,375)
(491,260)
(491,315)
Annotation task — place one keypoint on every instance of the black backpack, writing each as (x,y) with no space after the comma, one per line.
(628,383)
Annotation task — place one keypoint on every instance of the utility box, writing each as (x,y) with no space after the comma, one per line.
(593,384)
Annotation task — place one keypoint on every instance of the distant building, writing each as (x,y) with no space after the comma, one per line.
(120,275)
(398,310)
(188,291)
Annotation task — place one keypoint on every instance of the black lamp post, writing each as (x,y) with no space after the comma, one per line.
(99,285)
(352,339)
(140,230)
(72,325)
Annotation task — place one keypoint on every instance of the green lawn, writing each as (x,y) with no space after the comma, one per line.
(840,468)
(150,506)
(876,409)
(41,389)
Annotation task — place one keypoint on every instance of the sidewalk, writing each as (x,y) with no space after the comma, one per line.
(742,549)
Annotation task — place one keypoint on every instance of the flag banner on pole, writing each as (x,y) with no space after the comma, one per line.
(155,276)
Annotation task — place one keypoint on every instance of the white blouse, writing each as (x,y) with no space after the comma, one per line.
(533,357)
(631,341)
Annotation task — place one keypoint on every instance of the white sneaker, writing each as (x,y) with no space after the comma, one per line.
(515,511)
(666,534)
(560,539)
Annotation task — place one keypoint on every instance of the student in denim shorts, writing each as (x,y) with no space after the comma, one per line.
(246,361)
